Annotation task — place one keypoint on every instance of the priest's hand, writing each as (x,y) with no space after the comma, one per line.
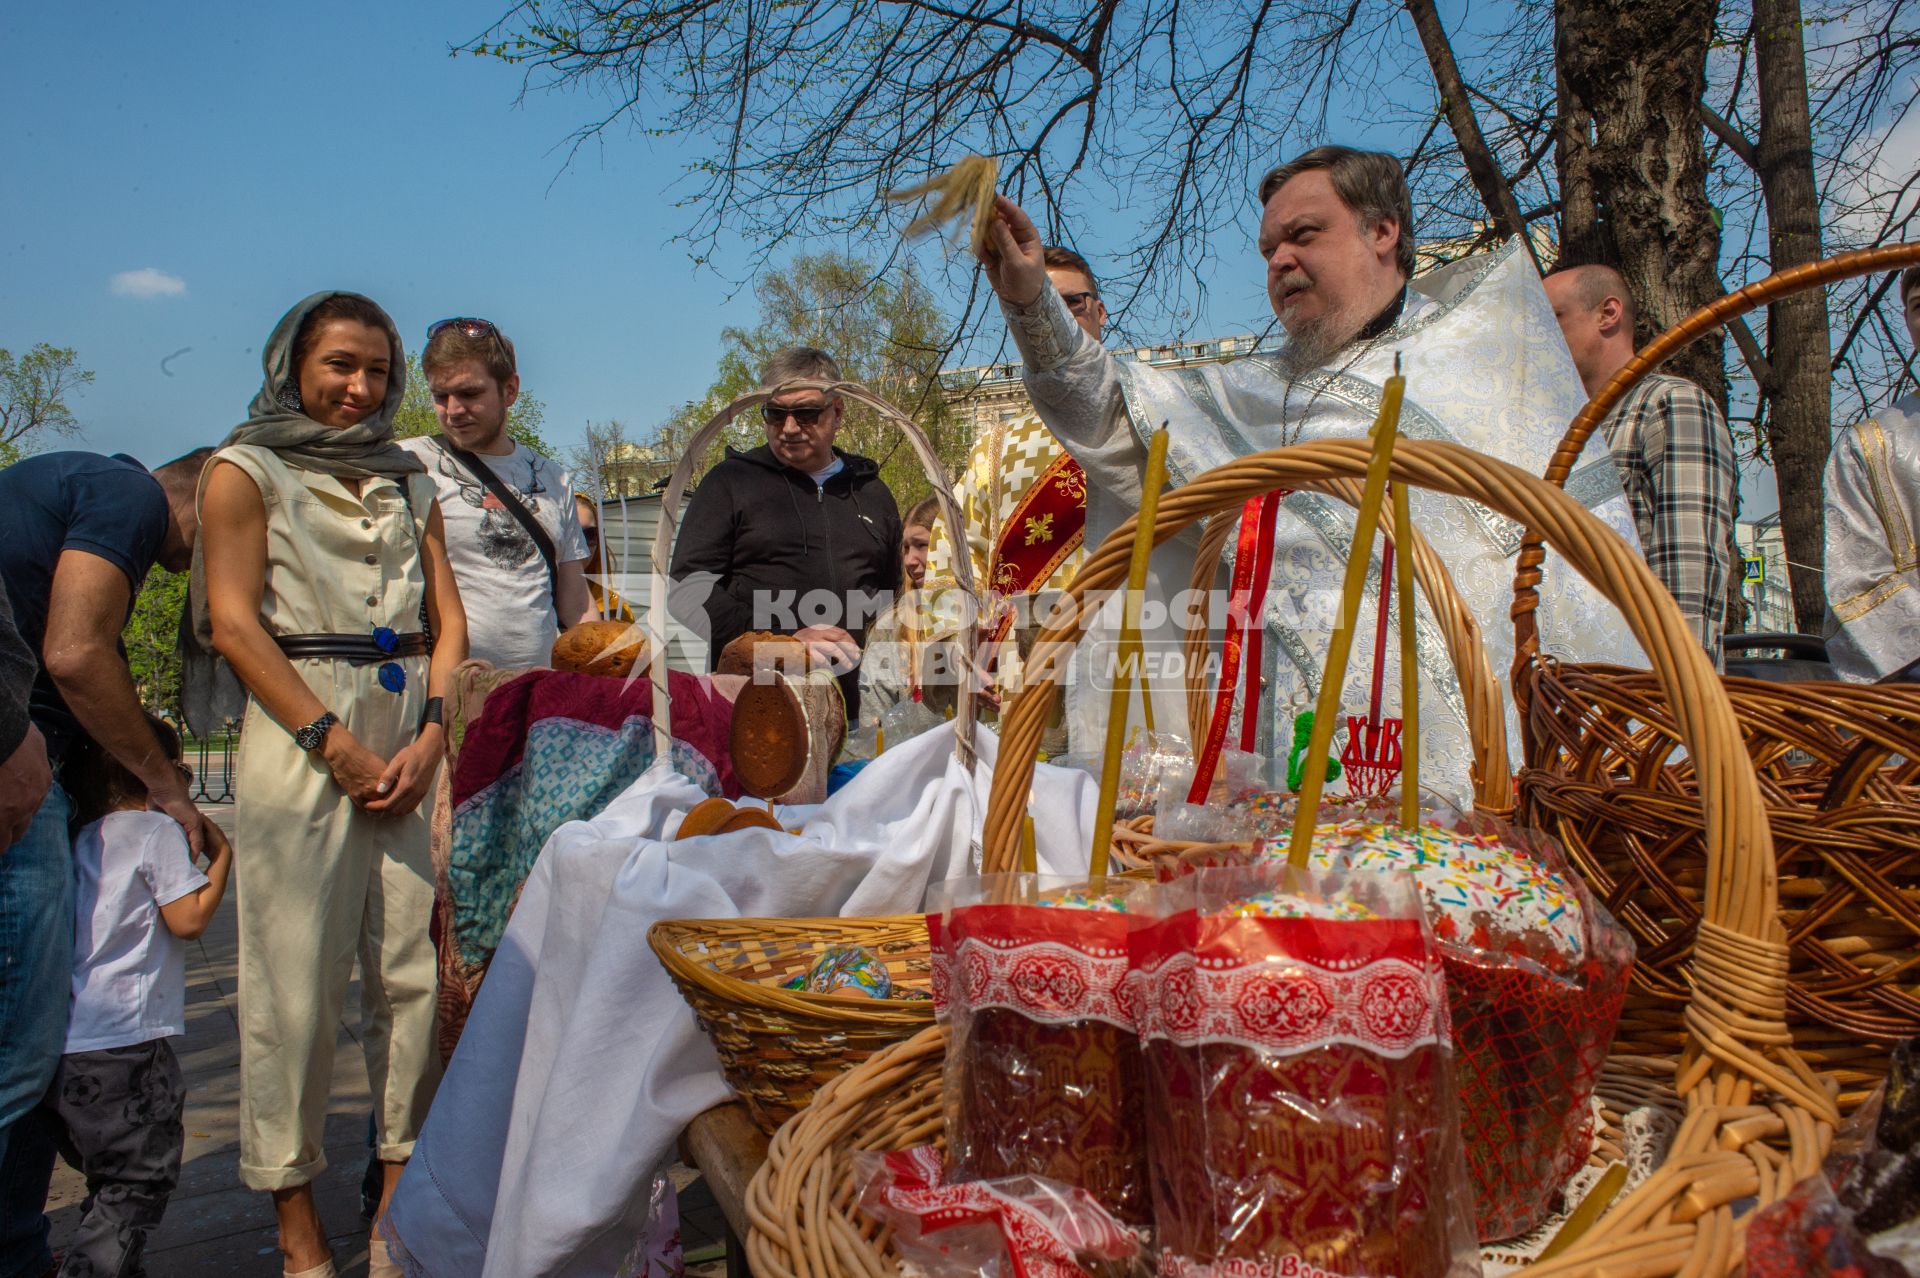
(1018,271)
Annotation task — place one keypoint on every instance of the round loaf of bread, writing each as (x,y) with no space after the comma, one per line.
(705,817)
(768,739)
(782,654)
(614,648)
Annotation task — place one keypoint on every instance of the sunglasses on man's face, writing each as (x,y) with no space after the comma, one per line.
(1079,303)
(805,414)
(468,326)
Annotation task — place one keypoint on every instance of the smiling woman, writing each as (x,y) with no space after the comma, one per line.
(323,556)
(343,357)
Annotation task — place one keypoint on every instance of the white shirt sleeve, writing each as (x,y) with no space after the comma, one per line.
(166,862)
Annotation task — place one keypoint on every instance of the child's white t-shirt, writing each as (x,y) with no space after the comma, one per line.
(129,971)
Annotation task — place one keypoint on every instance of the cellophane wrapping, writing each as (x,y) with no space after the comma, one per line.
(1858,1216)
(1532,1026)
(1043,1062)
(1019,1227)
(1536,969)
(1300,1114)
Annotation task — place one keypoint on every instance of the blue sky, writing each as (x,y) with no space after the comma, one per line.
(259,152)
(227,159)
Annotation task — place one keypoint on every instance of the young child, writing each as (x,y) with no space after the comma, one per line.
(117,1098)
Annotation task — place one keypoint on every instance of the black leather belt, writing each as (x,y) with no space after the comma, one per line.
(359,649)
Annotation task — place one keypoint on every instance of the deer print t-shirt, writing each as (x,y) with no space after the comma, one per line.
(502,579)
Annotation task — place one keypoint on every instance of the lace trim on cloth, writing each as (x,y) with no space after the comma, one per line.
(1645,1134)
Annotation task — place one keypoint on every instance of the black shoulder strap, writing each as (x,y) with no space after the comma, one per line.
(524,517)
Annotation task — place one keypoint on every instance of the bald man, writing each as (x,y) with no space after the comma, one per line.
(1673,448)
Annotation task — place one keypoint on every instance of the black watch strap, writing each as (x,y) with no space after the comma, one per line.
(434,712)
(314,735)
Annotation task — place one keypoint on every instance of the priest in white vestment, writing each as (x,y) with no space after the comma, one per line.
(1873,507)
(1486,367)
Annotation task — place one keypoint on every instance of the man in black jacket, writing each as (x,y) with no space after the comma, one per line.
(797,537)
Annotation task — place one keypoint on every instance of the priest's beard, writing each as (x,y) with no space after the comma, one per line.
(1313,344)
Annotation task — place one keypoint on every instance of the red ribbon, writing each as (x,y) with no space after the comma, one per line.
(1252,571)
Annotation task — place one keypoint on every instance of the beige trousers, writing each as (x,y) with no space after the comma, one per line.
(320,883)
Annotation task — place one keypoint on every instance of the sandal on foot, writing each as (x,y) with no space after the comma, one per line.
(323,1270)
(380,1263)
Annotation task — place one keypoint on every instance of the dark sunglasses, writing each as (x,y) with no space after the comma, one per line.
(1079,303)
(807,415)
(467,326)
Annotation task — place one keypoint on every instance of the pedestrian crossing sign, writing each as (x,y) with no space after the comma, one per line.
(1756,570)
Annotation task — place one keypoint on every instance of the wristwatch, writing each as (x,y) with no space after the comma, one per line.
(314,735)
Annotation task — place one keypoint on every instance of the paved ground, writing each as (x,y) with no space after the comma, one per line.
(214,1227)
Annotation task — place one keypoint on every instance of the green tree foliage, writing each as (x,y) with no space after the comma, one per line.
(150,636)
(33,398)
(887,333)
(415,416)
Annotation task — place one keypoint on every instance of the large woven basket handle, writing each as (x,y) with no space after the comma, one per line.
(670,526)
(1737,1016)
(1526,598)
(1492,769)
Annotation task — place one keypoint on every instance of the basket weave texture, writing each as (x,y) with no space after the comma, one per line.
(778,1047)
(1606,775)
(1756,1117)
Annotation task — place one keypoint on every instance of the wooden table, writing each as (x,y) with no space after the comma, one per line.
(728,1149)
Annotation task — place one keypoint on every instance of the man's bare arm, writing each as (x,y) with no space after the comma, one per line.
(571,598)
(81,653)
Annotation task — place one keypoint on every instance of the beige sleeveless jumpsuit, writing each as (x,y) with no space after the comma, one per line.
(318,879)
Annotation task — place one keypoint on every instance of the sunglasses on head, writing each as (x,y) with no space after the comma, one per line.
(805,414)
(467,326)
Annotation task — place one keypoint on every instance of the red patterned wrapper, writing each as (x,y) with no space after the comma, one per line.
(1528,1047)
(1301,1116)
(1022,1227)
(1043,1064)
(1531,1024)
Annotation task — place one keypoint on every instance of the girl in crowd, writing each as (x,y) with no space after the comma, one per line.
(327,588)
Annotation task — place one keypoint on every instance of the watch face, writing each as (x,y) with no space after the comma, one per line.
(311,737)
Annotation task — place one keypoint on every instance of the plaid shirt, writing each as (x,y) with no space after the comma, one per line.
(1677,463)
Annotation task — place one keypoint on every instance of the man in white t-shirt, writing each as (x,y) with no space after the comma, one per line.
(512,533)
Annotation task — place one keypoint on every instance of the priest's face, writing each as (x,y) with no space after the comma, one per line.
(1327,274)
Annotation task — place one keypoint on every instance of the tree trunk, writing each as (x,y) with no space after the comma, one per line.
(1482,167)
(1799,397)
(1636,69)
(1581,239)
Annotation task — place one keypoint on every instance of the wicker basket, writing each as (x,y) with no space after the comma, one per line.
(1839,767)
(1757,1118)
(777,1046)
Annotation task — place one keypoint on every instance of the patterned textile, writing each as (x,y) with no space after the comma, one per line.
(117,1113)
(1873,501)
(1002,472)
(549,747)
(1677,463)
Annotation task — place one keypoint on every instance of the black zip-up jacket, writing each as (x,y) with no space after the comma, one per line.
(759,531)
